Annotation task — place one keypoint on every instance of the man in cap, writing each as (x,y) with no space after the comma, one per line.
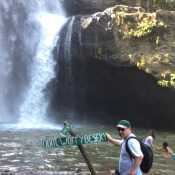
(127,165)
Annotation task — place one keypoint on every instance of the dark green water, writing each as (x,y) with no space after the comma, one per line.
(21,154)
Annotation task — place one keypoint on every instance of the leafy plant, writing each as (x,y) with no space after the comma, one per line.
(141,63)
(146,26)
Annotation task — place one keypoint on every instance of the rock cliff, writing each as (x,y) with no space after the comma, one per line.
(143,39)
(121,65)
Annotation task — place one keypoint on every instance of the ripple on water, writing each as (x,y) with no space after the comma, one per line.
(8,168)
(8,154)
(12,144)
(49,165)
(112,158)
(55,173)
(60,153)
(15,160)
(46,160)
(69,159)
(20,154)
(81,164)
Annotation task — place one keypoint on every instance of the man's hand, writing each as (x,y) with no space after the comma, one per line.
(108,136)
(137,162)
(112,140)
(133,172)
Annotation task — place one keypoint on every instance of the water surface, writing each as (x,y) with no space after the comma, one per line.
(20,153)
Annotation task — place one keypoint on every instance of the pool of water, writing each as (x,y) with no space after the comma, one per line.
(21,153)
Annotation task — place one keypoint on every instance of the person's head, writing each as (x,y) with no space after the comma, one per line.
(152,133)
(65,122)
(124,128)
(165,145)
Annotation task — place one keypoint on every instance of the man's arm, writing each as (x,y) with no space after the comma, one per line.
(112,140)
(135,148)
(137,162)
(170,151)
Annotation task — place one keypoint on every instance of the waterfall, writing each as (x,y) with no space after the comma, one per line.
(42,71)
(38,31)
(68,41)
(67,49)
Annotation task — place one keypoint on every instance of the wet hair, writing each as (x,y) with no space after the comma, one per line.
(152,133)
(165,145)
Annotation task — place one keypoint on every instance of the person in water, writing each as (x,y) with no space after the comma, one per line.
(167,151)
(149,140)
(127,165)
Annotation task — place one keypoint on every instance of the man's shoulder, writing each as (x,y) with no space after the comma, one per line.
(133,140)
(133,147)
(131,135)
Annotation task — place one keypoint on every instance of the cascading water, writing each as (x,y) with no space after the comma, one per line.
(67,49)
(35,104)
(44,20)
(68,39)
(42,71)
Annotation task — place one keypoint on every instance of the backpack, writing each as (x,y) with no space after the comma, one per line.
(147,152)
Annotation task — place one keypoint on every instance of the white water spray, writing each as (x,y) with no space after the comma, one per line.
(28,33)
(33,112)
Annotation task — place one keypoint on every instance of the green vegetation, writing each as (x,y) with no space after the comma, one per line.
(149,42)
(145,27)
(138,25)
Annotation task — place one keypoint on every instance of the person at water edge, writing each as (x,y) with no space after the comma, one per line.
(149,140)
(127,165)
(167,151)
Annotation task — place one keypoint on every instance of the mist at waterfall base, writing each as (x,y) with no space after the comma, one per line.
(29,31)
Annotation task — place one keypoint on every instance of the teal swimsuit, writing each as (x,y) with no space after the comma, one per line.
(173,157)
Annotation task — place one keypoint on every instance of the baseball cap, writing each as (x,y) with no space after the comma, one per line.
(123,124)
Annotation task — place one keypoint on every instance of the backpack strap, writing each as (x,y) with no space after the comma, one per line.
(128,150)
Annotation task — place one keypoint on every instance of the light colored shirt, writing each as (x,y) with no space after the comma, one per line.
(149,141)
(125,162)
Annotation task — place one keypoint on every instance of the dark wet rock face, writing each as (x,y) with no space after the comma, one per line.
(84,7)
(87,7)
(101,76)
